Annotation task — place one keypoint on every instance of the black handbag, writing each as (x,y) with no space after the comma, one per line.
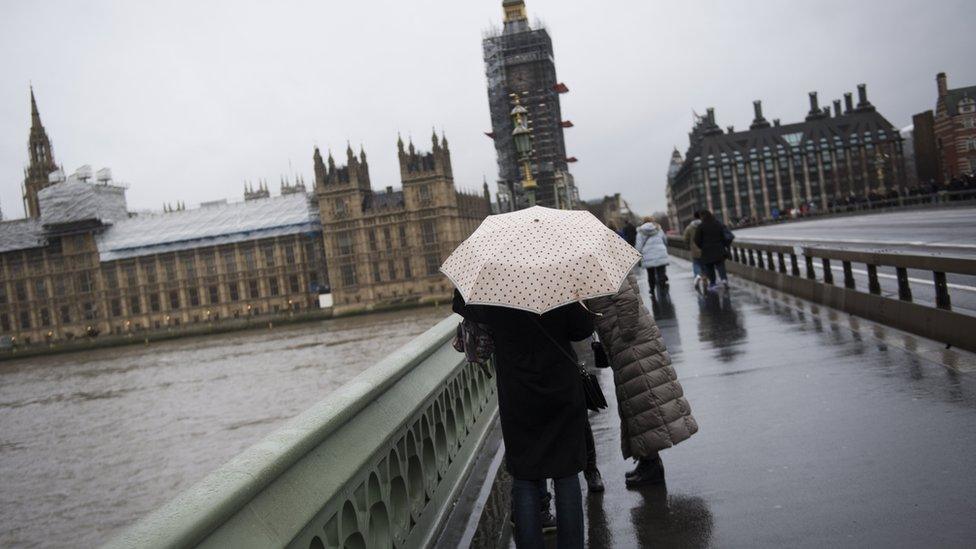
(595,399)
(600,359)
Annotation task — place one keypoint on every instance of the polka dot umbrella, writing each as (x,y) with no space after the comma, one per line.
(538,259)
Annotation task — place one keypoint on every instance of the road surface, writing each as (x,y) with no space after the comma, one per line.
(944,231)
(947,232)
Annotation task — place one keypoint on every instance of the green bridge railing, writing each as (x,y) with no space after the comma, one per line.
(378,463)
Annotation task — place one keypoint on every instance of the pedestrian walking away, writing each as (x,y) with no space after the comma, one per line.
(713,239)
(630,232)
(654,414)
(524,276)
(652,245)
(696,267)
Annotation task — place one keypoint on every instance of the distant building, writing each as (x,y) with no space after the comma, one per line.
(519,60)
(673,168)
(952,129)
(82,264)
(41,165)
(611,210)
(387,247)
(908,151)
(762,172)
(928,164)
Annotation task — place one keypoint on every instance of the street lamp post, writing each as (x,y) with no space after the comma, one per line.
(522,137)
(879,162)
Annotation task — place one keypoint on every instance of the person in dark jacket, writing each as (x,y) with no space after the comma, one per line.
(542,411)
(712,239)
(630,232)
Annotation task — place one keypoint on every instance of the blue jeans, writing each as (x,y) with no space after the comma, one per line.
(696,267)
(710,269)
(526,506)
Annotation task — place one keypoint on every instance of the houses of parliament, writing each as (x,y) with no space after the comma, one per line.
(81,264)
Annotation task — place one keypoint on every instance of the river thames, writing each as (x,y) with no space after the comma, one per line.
(91,441)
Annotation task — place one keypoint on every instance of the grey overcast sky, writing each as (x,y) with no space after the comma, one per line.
(185,100)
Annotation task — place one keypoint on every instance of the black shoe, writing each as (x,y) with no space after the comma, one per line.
(548,522)
(594,480)
(649,471)
(633,471)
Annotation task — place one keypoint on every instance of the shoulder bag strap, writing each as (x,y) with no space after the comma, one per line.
(556,344)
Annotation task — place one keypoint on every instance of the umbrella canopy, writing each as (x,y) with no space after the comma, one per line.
(539,259)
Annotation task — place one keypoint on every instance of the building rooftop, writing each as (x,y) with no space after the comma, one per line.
(384,200)
(21,234)
(792,135)
(954,96)
(216,224)
(74,201)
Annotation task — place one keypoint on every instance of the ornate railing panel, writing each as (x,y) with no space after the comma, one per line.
(377,464)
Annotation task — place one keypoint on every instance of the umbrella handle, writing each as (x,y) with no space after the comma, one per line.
(588,309)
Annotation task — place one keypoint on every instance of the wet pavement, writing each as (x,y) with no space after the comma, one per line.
(816,430)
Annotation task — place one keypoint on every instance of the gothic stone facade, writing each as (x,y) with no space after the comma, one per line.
(385,248)
(79,264)
(519,60)
(61,290)
(41,155)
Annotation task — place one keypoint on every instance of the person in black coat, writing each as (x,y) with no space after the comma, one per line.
(712,239)
(630,233)
(542,410)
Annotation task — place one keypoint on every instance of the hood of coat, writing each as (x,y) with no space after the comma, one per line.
(695,223)
(649,229)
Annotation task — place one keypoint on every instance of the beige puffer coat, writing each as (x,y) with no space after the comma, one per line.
(689,238)
(654,414)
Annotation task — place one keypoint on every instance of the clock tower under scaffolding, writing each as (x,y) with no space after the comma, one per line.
(519,63)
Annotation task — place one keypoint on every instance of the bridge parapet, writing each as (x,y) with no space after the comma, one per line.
(808,272)
(378,463)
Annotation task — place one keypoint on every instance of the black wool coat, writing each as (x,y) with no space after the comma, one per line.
(710,237)
(540,393)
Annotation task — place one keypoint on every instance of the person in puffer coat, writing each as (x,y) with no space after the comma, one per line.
(652,245)
(654,414)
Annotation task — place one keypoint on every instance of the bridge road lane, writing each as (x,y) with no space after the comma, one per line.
(813,433)
(948,232)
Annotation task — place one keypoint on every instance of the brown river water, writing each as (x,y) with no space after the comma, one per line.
(91,441)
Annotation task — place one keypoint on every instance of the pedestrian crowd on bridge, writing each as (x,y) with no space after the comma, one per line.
(529,284)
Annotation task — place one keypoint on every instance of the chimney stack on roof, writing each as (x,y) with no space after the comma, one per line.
(815,110)
(776,122)
(711,128)
(758,121)
(862,98)
(940,79)
(837,107)
(848,103)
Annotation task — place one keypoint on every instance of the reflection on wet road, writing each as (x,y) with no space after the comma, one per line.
(817,430)
(91,441)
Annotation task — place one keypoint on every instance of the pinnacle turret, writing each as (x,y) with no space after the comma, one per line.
(41,156)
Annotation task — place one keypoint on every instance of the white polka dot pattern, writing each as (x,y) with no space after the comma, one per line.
(539,259)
